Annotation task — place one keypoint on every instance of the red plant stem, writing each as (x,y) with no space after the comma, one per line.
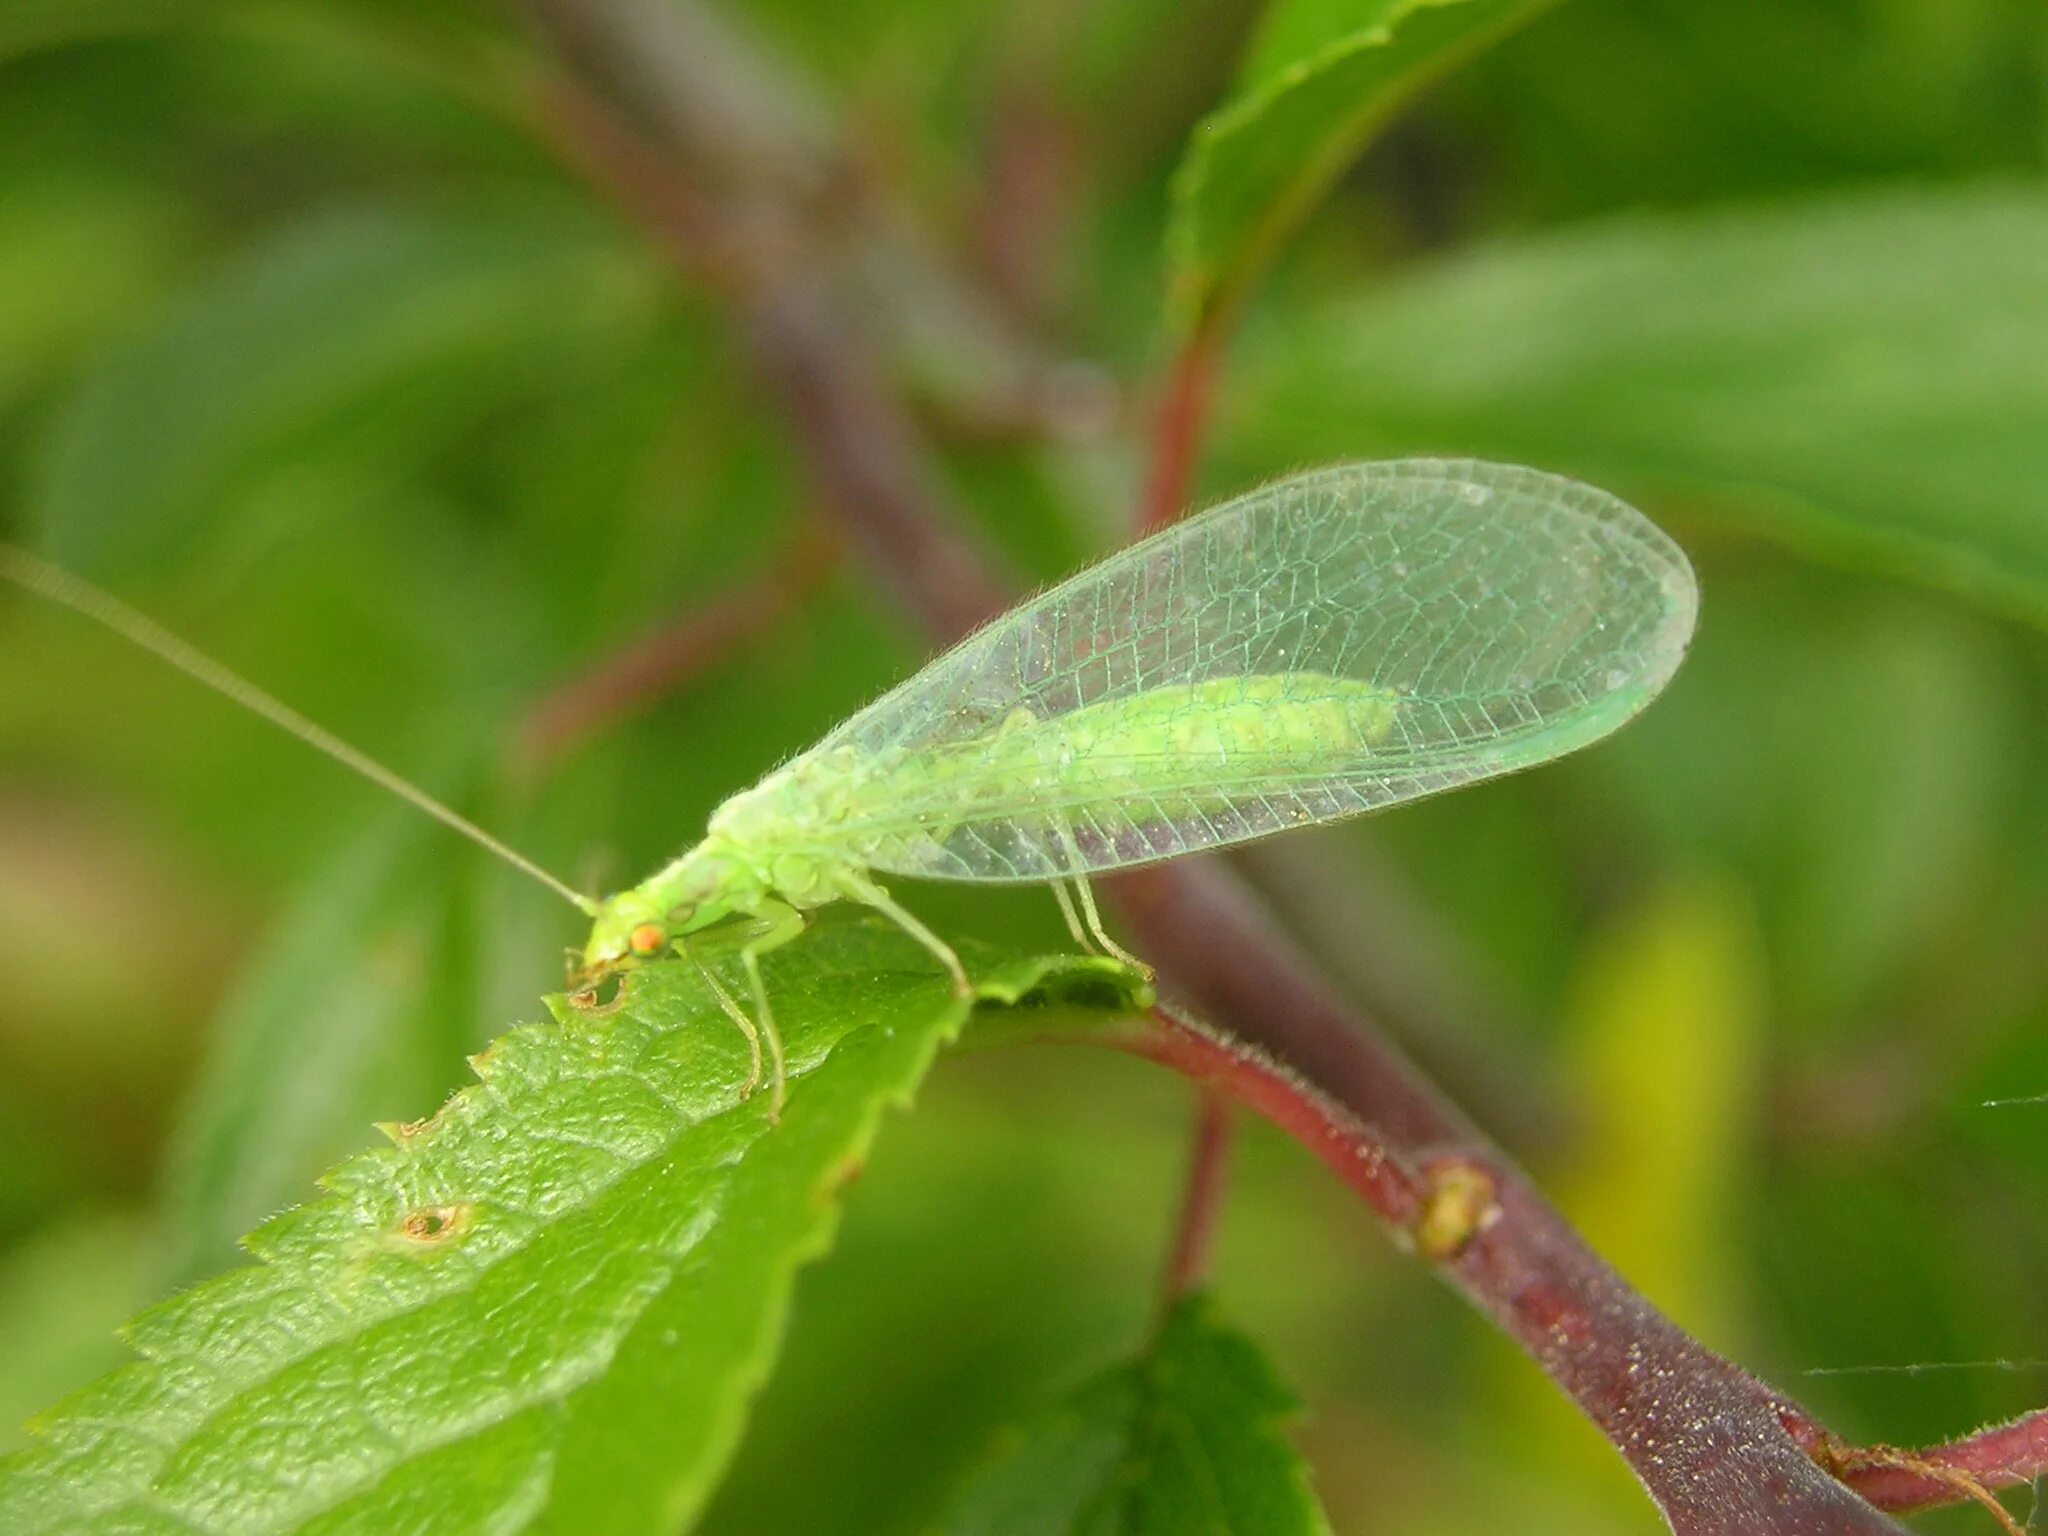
(1712,1443)
(598,146)
(1208,1178)
(873,474)
(2003,1456)
(1507,1254)
(1021,219)
(1231,1074)
(1177,432)
(1722,1454)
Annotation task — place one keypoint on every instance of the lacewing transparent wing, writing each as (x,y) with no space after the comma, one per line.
(1328,645)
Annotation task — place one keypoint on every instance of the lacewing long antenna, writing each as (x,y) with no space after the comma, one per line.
(34,574)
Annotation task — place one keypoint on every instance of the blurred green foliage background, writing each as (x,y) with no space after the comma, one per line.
(313,348)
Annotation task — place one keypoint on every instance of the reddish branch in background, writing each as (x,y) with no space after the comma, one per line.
(1720,1452)
(1629,1366)
(666,657)
(1208,1178)
(1177,430)
(1022,217)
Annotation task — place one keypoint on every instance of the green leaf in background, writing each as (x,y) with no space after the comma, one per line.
(547,1308)
(1864,377)
(1319,78)
(62,1294)
(32,26)
(346,1012)
(76,256)
(1865,849)
(29,25)
(1184,1441)
(1666,1021)
(397,323)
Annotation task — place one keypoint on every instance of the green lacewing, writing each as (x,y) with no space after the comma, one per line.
(1330,644)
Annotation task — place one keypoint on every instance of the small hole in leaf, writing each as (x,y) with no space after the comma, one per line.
(602,996)
(433,1223)
(1078,989)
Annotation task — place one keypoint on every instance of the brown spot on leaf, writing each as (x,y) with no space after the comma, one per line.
(434,1224)
(841,1177)
(405,1132)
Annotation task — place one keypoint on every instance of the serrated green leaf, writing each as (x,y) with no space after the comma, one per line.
(1320,78)
(1865,377)
(544,1310)
(389,324)
(1184,1441)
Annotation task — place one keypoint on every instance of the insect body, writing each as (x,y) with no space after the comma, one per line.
(808,833)
(1328,645)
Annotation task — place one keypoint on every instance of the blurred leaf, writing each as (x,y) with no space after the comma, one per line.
(41,1175)
(1320,77)
(1890,831)
(28,25)
(76,255)
(546,1308)
(1872,1261)
(418,321)
(1664,1036)
(62,1293)
(1492,866)
(1626,105)
(1864,377)
(88,1051)
(1856,756)
(1668,1018)
(343,1014)
(1077,1150)
(1184,1440)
